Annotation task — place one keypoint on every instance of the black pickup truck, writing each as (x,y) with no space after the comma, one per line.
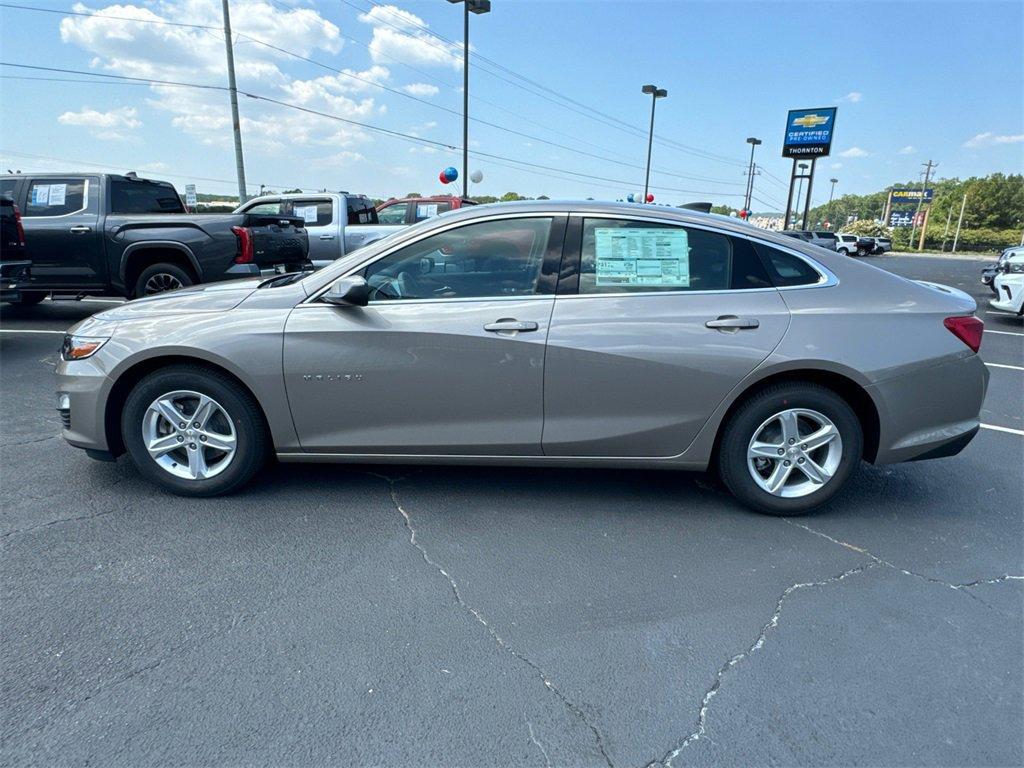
(15,269)
(103,234)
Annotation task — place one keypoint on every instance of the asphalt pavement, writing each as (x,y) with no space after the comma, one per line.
(433,616)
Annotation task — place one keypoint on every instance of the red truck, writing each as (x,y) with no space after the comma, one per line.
(409,210)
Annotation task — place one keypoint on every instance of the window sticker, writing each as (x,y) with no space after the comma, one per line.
(426,210)
(58,194)
(306,212)
(41,194)
(637,256)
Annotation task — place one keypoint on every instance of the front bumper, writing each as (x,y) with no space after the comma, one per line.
(1009,291)
(931,412)
(83,387)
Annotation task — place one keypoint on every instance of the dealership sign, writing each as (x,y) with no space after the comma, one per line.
(809,132)
(912,196)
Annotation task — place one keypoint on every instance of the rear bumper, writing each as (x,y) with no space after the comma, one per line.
(930,413)
(14,275)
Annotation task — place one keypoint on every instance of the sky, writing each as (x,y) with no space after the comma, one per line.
(555,89)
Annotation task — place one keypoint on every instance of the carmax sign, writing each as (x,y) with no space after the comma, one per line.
(809,132)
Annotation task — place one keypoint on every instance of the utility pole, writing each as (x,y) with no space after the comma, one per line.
(655,93)
(945,234)
(239,162)
(920,201)
(959,221)
(750,174)
(831,194)
(478,7)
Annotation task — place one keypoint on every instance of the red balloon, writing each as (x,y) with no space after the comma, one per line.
(650,198)
(441,176)
(744,213)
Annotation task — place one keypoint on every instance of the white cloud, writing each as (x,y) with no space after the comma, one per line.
(398,34)
(422,90)
(836,166)
(110,126)
(907,150)
(854,152)
(989,139)
(853,97)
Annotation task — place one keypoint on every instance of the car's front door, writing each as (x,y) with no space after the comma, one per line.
(448,356)
(321,228)
(62,232)
(654,324)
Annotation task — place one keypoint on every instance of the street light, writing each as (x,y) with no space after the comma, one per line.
(478,7)
(656,93)
(802,167)
(750,174)
(830,194)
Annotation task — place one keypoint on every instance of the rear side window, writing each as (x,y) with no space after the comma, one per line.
(786,269)
(361,211)
(143,197)
(315,213)
(56,197)
(624,256)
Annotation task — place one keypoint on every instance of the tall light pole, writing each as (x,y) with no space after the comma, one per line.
(478,7)
(750,174)
(800,189)
(236,125)
(655,93)
(831,193)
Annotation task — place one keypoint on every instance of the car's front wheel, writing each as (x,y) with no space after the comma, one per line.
(192,431)
(790,448)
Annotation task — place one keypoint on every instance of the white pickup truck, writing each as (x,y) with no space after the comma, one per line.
(337,223)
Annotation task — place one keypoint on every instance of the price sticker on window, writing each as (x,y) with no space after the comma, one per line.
(306,212)
(658,258)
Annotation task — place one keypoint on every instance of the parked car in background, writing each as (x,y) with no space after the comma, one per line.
(829,242)
(529,334)
(337,222)
(881,244)
(105,234)
(854,245)
(15,268)
(826,238)
(988,274)
(1007,283)
(410,210)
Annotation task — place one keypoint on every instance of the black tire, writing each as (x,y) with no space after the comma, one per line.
(761,406)
(171,276)
(843,251)
(250,428)
(29,298)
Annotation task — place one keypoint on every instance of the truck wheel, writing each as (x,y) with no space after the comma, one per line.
(29,298)
(159,278)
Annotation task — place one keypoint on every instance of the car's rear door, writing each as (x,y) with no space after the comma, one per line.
(653,325)
(447,358)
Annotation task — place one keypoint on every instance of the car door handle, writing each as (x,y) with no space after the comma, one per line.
(81,229)
(506,324)
(326,237)
(732,323)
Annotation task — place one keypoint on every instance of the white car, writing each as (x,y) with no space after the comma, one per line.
(1008,282)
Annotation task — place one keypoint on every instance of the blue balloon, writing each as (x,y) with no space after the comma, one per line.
(450,173)
(629,197)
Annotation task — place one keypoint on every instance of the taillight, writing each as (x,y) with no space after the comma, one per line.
(245,251)
(21,229)
(968,329)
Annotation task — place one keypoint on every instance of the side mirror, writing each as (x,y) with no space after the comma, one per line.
(348,292)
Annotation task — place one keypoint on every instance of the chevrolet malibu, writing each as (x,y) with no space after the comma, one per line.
(543,334)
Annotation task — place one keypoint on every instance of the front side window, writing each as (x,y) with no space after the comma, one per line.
(786,269)
(361,211)
(55,197)
(268,208)
(489,259)
(393,214)
(315,213)
(144,197)
(427,209)
(624,256)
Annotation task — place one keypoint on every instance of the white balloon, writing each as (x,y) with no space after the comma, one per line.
(476,177)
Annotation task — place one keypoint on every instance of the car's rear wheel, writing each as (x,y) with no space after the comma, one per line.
(790,448)
(159,278)
(192,431)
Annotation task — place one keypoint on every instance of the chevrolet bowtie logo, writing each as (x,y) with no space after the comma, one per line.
(810,121)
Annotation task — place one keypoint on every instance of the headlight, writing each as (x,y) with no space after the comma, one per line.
(81,347)
(1016,267)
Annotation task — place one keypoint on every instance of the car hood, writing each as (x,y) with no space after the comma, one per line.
(208,297)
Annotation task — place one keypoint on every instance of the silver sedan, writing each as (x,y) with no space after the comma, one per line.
(544,334)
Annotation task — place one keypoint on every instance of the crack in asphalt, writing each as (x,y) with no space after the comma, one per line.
(533,738)
(29,442)
(758,643)
(881,561)
(482,620)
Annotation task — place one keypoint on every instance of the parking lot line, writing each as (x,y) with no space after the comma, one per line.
(27,330)
(1009,367)
(997,428)
(1005,333)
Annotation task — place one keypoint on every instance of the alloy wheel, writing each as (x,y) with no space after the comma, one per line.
(794,453)
(189,435)
(160,282)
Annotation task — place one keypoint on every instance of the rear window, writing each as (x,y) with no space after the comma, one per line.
(55,197)
(786,269)
(142,197)
(7,187)
(361,210)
